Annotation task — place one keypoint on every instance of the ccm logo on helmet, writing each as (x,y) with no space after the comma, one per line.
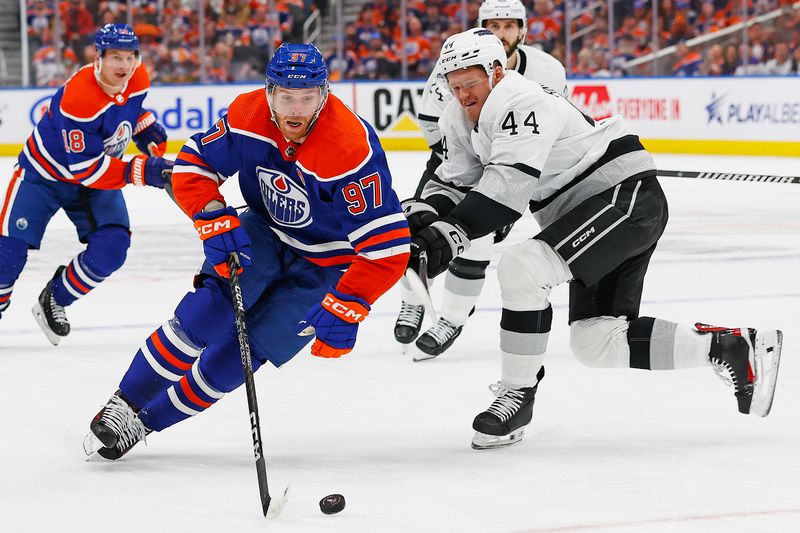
(296,76)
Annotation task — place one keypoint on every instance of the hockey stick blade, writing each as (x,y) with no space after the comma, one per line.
(728,176)
(276,505)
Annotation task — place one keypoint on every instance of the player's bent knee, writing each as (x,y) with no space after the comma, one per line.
(13,255)
(107,249)
(524,274)
(601,342)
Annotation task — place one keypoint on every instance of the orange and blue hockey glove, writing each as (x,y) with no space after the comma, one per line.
(335,323)
(150,136)
(222,234)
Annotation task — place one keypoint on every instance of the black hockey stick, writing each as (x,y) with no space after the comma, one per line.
(729,176)
(417,279)
(250,386)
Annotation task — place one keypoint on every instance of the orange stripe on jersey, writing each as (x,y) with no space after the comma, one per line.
(187,390)
(193,159)
(7,200)
(75,281)
(166,354)
(5,298)
(331,261)
(41,160)
(89,171)
(383,237)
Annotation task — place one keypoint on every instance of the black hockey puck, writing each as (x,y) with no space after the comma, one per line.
(331,504)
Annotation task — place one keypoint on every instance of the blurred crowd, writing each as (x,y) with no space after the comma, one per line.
(239,34)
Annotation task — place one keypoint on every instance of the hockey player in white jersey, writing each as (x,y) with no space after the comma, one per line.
(506,19)
(509,145)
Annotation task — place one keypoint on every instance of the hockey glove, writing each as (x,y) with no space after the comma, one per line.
(419,214)
(150,136)
(222,234)
(439,243)
(335,323)
(152,171)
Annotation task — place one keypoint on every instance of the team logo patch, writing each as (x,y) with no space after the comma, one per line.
(285,200)
(115,145)
(22,224)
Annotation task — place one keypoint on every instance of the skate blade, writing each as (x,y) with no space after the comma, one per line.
(419,355)
(276,505)
(91,444)
(482,441)
(38,315)
(767,360)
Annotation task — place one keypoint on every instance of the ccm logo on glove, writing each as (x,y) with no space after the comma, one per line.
(355,313)
(215,227)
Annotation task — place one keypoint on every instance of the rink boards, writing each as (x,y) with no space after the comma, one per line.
(743,116)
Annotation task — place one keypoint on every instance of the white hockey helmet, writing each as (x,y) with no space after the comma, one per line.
(503,9)
(474,47)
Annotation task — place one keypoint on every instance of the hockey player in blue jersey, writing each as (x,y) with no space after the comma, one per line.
(323,238)
(72,161)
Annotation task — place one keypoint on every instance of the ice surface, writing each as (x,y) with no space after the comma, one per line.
(608,451)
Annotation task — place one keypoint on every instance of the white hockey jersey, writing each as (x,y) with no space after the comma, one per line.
(532,63)
(533,148)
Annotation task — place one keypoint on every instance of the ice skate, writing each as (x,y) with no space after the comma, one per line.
(437,339)
(50,316)
(114,430)
(748,359)
(408,324)
(503,423)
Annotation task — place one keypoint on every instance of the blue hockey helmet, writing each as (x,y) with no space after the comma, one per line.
(297,66)
(116,37)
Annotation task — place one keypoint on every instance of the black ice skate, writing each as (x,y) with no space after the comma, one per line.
(408,322)
(49,315)
(115,429)
(437,339)
(503,423)
(748,359)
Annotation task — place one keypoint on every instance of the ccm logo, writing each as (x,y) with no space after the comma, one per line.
(583,236)
(214,227)
(335,306)
(292,76)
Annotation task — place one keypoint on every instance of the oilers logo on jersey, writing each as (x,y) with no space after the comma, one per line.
(115,145)
(286,202)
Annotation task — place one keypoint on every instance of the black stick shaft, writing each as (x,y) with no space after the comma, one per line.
(249,382)
(729,176)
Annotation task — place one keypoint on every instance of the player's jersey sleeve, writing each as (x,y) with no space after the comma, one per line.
(205,161)
(434,99)
(461,168)
(369,211)
(544,69)
(520,127)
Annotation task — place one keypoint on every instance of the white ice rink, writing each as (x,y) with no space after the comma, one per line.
(608,450)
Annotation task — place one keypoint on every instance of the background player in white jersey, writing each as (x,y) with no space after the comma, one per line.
(506,19)
(72,161)
(513,145)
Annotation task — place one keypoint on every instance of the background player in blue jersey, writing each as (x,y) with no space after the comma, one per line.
(72,161)
(323,238)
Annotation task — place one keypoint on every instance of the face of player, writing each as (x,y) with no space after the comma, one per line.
(508,31)
(294,110)
(116,68)
(470,87)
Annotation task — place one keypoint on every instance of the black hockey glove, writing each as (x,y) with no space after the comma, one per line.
(419,214)
(501,234)
(438,243)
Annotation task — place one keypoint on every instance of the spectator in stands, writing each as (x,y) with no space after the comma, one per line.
(749,65)
(544,25)
(781,64)
(731,60)
(688,62)
(78,24)
(249,62)
(715,61)
(796,61)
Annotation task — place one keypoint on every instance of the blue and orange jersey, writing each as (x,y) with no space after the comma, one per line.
(330,198)
(83,134)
